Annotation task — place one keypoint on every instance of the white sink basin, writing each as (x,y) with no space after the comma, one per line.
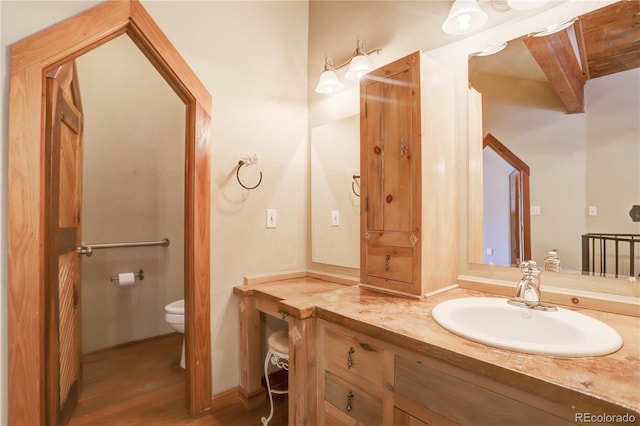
(495,322)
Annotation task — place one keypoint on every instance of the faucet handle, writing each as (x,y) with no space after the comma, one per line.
(528,266)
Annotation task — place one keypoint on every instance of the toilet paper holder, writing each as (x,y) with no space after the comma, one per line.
(139,275)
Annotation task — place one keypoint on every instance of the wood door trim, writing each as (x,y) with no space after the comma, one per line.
(507,155)
(31,58)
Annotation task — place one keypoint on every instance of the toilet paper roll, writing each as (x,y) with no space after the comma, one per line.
(126,279)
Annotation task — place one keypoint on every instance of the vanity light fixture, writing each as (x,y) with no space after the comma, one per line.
(525,4)
(490,50)
(464,17)
(329,82)
(555,28)
(358,65)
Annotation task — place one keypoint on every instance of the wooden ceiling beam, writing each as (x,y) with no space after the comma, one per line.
(557,59)
(610,38)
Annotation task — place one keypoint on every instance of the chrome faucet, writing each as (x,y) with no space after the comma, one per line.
(528,289)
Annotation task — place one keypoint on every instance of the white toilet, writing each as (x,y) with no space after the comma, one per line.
(174,315)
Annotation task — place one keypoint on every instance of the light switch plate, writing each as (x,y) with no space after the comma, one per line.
(335,217)
(535,211)
(593,211)
(271,218)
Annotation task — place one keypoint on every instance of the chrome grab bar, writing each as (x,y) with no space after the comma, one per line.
(87,249)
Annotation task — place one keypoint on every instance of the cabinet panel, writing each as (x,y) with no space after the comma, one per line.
(391,160)
(353,400)
(389,146)
(463,402)
(397,149)
(372,160)
(408,165)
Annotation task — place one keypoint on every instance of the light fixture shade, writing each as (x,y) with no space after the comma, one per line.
(328,83)
(491,50)
(555,28)
(525,4)
(465,16)
(358,66)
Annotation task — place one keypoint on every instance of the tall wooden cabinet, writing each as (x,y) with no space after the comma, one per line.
(409,183)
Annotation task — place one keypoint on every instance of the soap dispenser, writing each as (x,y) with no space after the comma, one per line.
(552,261)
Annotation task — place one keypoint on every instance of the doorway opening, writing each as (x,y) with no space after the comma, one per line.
(32,387)
(507,218)
(132,190)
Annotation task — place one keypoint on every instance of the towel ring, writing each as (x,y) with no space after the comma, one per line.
(355,181)
(244,163)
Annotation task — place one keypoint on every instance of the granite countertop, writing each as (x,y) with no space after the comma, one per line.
(611,379)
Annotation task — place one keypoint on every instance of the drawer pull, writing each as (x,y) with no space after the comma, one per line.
(349,357)
(350,396)
(386,263)
(367,347)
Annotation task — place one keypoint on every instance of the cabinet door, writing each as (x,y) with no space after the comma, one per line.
(389,149)
(390,176)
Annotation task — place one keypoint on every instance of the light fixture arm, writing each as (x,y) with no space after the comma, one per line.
(358,65)
(359,51)
(376,51)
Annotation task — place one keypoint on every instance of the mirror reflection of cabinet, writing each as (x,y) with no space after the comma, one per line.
(408,221)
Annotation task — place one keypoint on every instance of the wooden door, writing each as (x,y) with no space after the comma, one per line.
(63,139)
(389,145)
(515,222)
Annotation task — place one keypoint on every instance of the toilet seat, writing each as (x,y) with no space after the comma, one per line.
(174,316)
(176,308)
(174,319)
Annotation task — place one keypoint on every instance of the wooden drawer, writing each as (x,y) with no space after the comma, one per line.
(400,418)
(463,402)
(355,358)
(344,401)
(390,263)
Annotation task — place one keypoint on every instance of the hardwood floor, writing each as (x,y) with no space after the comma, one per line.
(143,384)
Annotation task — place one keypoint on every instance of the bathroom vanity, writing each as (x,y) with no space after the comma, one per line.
(365,357)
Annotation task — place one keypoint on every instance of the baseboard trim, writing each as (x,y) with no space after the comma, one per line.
(225,398)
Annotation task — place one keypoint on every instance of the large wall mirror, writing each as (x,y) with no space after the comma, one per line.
(335,189)
(583,154)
